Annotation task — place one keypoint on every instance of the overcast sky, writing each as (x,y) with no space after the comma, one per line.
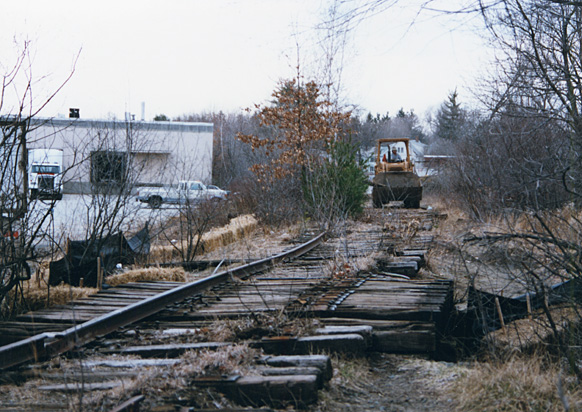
(191,56)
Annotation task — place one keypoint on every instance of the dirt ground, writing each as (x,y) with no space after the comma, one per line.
(384,382)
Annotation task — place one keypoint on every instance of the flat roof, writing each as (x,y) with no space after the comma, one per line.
(196,127)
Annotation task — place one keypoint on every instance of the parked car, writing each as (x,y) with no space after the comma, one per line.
(187,191)
(218,192)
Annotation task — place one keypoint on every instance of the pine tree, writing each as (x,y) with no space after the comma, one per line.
(450,119)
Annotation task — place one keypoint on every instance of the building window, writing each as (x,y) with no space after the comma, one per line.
(108,167)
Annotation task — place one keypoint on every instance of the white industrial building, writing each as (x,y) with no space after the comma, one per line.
(109,151)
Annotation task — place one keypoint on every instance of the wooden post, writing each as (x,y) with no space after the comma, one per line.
(81,281)
(99,273)
(500,313)
(528,303)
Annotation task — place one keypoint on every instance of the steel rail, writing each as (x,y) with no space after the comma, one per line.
(47,345)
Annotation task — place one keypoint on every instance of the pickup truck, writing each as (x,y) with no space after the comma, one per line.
(187,191)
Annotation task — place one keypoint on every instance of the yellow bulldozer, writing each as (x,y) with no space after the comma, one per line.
(395,178)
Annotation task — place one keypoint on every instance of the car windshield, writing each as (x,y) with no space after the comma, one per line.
(386,152)
(45,169)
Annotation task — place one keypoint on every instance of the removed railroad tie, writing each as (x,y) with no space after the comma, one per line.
(78,387)
(406,259)
(407,268)
(376,324)
(420,254)
(285,381)
(393,275)
(296,391)
(390,336)
(71,377)
(321,362)
(345,343)
(355,342)
(168,350)
(364,330)
(132,363)
(294,370)
(282,391)
(405,341)
(130,405)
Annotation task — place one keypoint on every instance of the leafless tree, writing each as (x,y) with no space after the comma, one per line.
(231,158)
(23,223)
(115,170)
(525,156)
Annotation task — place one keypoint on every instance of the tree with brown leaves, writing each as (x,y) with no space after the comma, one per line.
(309,161)
(300,124)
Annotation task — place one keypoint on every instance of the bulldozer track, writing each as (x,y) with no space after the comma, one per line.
(385,309)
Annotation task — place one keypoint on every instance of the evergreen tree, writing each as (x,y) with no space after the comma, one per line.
(450,119)
(161,118)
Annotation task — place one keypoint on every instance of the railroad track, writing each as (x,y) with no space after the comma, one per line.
(355,310)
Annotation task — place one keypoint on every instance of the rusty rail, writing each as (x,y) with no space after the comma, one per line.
(47,345)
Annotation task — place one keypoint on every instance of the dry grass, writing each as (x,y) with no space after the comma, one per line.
(457,220)
(339,267)
(526,335)
(226,330)
(351,372)
(566,221)
(235,359)
(351,383)
(516,385)
(261,243)
(175,274)
(35,295)
(237,228)
(257,325)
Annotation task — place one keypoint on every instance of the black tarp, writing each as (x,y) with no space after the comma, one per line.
(486,317)
(80,260)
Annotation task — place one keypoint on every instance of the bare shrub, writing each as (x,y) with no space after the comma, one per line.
(274,203)
(511,163)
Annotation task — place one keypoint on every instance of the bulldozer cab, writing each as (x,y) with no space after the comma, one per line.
(393,155)
(395,179)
